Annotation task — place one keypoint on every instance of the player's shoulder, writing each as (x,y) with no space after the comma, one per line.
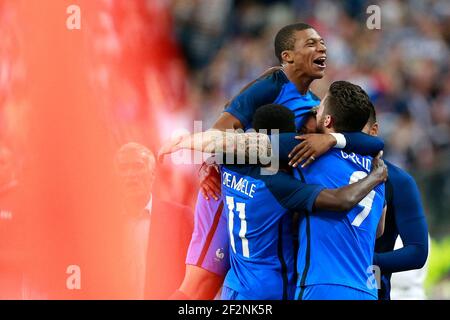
(314,96)
(280,182)
(337,162)
(399,176)
(353,160)
(272,82)
(332,155)
(269,176)
(278,76)
(319,164)
(328,164)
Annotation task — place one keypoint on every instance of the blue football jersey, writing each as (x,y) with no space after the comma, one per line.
(260,230)
(338,248)
(275,88)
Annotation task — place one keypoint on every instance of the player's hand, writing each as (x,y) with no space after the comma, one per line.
(210,184)
(169,147)
(379,168)
(312,146)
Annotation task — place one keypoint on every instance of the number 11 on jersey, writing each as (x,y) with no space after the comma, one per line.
(240,209)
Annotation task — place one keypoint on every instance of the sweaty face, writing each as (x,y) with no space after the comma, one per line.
(136,171)
(310,53)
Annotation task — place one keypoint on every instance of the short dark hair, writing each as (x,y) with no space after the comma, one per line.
(349,106)
(285,40)
(274,116)
(373,114)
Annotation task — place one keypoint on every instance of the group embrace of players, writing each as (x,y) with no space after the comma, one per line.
(320,225)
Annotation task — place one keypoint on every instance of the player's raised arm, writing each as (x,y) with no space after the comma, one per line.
(243,145)
(312,146)
(412,227)
(200,141)
(216,141)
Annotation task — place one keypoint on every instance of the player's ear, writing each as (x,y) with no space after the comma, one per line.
(374,129)
(287,56)
(328,121)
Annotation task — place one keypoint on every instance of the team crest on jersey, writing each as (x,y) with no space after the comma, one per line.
(219,254)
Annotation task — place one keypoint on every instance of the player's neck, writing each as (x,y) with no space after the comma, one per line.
(329,130)
(301,82)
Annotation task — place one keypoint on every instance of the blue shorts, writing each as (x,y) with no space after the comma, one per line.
(209,247)
(332,292)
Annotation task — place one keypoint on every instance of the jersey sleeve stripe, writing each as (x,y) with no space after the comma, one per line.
(210,236)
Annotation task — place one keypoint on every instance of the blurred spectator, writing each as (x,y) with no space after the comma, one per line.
(157,233)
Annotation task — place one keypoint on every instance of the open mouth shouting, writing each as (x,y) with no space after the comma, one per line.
(320,62)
